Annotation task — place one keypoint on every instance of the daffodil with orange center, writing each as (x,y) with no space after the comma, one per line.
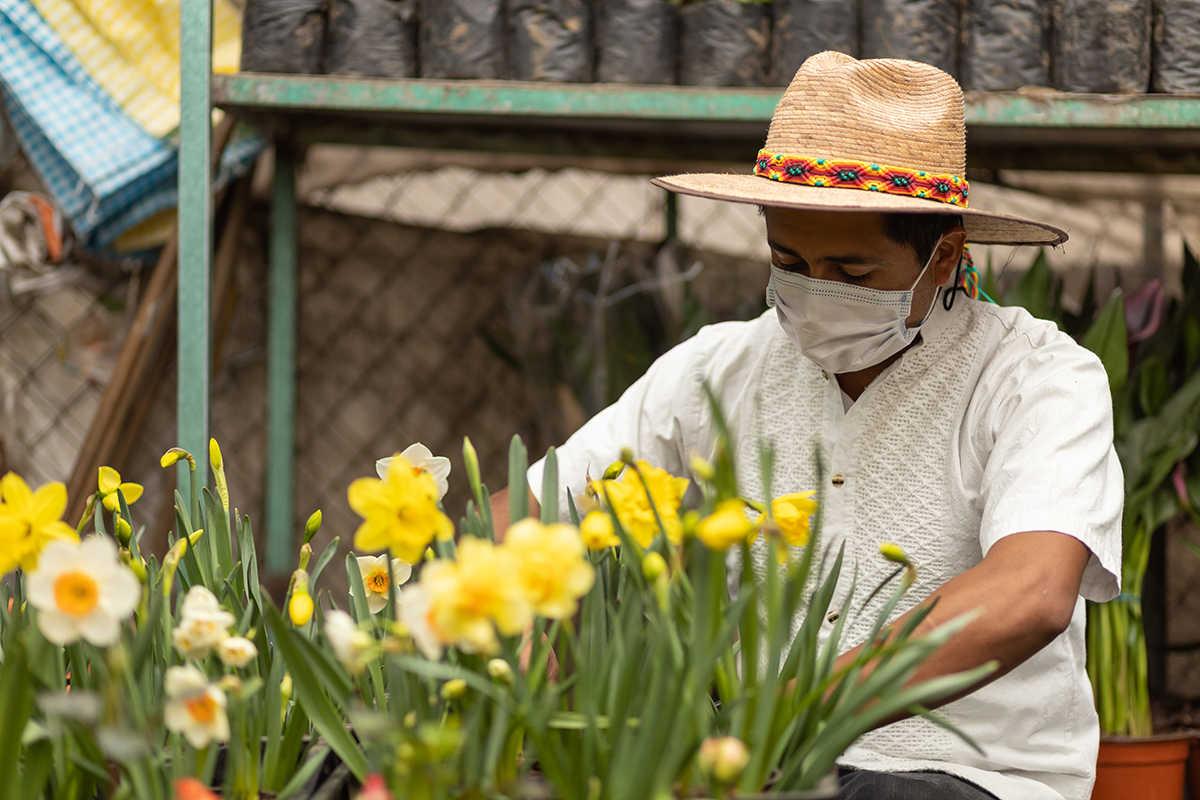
(552,566)
(29,520)
(83,590)
(474,596)
(399,513)
(630,500)
(792,512)
(374,571)
(195,707)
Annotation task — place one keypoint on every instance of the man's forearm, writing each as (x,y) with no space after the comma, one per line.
(500,511)
(1024,592)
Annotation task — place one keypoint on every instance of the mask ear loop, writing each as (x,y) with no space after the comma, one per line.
(968,284)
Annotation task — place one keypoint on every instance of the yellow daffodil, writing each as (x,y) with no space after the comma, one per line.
(421,459)
(791,516)
(374,570)
(195,707)
(552,567)
(632,504)
(83,590)
(110,482)
(400,512)
(29,520)
(596,530)
(726,526)
(473,596)
(300,608)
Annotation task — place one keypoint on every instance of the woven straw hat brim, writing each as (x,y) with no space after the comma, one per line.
(982,227)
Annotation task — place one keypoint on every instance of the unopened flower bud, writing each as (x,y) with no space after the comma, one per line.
(171,564)
(453,689)
(723,759)
(627,455)
(703,469)
(410,719)
(122,530)
(500,671)
(194,536)
(653,565)
(312,526)
(374,788)
(893,552)
(306,552)
(471,464)
(175,454)
(300,607)
(285,688)
(614,470)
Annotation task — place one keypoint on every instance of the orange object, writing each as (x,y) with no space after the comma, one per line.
(192,789)
(1150,768)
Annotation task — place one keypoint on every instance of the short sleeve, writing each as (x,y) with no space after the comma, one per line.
(658,418)
(1052,466)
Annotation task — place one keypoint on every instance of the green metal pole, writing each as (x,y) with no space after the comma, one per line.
(195,233)
(281,365)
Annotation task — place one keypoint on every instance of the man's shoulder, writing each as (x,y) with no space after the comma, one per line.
(725,343)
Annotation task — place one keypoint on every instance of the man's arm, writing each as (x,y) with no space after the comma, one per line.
(500,511)
(1024,590)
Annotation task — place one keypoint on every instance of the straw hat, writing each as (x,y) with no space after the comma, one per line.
(880,135)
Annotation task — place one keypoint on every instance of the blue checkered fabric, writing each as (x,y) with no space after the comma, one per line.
(104,172)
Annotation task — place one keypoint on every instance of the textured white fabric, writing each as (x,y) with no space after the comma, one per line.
(994,424)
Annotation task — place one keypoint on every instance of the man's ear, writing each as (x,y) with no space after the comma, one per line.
(948,254)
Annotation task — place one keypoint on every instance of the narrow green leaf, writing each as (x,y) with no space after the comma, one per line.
(1107,339)
(518,487)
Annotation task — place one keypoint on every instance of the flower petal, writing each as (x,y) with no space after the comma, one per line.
(48,503)
(110,479)
(58,628)
(17,493)
(132,492)
(100,629)
(417,454)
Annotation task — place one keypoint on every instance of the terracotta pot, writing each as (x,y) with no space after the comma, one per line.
(1150,768)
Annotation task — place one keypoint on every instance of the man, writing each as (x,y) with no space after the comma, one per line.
(976,437)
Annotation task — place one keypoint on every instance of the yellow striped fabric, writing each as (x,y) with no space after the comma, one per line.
(131,48)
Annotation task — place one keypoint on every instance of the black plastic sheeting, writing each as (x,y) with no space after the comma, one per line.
(635,41)
(1102,45)
(804,28)
(462,39)
(372,38)
(920,30)
(1006,45)
(724,43)
(283,36)
(550,40)
(1176,48)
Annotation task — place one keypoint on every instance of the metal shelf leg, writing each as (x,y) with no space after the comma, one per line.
(281,366)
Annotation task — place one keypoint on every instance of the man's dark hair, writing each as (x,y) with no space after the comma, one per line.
(920,232)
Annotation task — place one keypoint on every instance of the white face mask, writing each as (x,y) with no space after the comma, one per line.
(842,327)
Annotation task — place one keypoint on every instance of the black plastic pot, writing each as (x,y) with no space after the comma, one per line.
(724,43)
(919,30)
(1175,57)
(803,28)
(550,40)
(636,41)
(1006,45)
(372,38)
(1101,46)
(283,36)
(462,39)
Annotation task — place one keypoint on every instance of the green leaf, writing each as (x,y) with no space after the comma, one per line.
(1034,291)
(313,692)
(518,491)
(1107,339)
(16,698)
(323,560)
(550,488)
(1154,385)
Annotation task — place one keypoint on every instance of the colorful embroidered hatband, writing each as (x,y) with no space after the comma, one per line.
(862,175)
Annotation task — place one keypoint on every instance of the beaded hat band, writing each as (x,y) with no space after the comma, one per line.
(826,172)
(892,129)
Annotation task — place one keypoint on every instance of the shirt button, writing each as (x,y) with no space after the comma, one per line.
(838,480)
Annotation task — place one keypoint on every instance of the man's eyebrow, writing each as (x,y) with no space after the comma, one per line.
(847,259)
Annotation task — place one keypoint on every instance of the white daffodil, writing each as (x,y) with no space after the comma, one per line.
(82,589)
(422,460)
(350,644)
(203,624)
(414,606)
(236,651)
(374,571)
(195,707)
